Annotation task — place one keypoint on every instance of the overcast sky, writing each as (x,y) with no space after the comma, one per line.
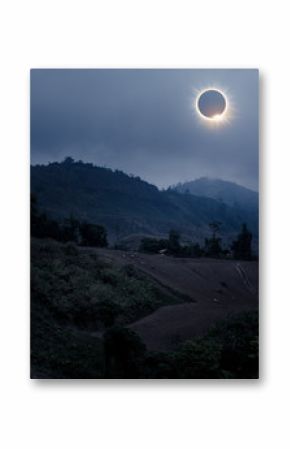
(144,122)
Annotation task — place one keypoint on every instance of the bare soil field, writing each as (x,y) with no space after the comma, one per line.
(213,289)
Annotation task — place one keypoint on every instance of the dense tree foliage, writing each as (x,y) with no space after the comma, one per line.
(242,247)
(41,226)
(213,247)
(174,242)
(228,350)
(124,354)
(93,235)
(69,230)
(126,205)
(153,246)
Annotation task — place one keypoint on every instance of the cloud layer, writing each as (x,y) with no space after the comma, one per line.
(144,122)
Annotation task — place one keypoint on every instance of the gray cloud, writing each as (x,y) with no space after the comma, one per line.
(144,122)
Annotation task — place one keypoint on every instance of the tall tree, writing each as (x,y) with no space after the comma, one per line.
(174,242)
(213,246)
(242,247)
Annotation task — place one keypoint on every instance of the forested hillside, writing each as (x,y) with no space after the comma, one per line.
(127,205)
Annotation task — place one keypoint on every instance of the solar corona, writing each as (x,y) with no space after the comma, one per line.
(212,105)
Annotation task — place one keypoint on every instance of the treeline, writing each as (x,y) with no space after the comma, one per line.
(126,205)
(229,350)
(241,248)
(70,230)
(89,234)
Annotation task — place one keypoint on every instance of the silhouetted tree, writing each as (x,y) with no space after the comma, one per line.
(173,242)
(93,235)
(191,250)
(70,230)
(40,225)
(212,245)
(68,160)
(242,247)
(124,353)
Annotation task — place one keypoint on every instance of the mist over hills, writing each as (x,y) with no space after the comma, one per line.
(127,205)
(228,192)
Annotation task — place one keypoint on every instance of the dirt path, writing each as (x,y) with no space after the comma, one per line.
(245,278)
(213,289)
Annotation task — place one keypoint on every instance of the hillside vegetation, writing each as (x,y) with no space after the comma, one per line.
(228,192)
(244,201)
(82,304)
(126,205)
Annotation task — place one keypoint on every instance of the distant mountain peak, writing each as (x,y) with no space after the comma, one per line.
(212,181)
(228,192)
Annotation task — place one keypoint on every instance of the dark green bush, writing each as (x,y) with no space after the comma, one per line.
(124,354)
(93,235)
(228,350)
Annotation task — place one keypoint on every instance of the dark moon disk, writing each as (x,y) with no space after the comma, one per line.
(211,103)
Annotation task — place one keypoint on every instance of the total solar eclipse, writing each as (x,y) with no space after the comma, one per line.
(211,104)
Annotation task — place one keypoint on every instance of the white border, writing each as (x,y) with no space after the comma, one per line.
(160,414)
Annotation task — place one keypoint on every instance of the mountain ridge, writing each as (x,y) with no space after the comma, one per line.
(222,190)
(127,204)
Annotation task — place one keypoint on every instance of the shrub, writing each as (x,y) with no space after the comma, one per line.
(124,353)
(93,235)
(70,249)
